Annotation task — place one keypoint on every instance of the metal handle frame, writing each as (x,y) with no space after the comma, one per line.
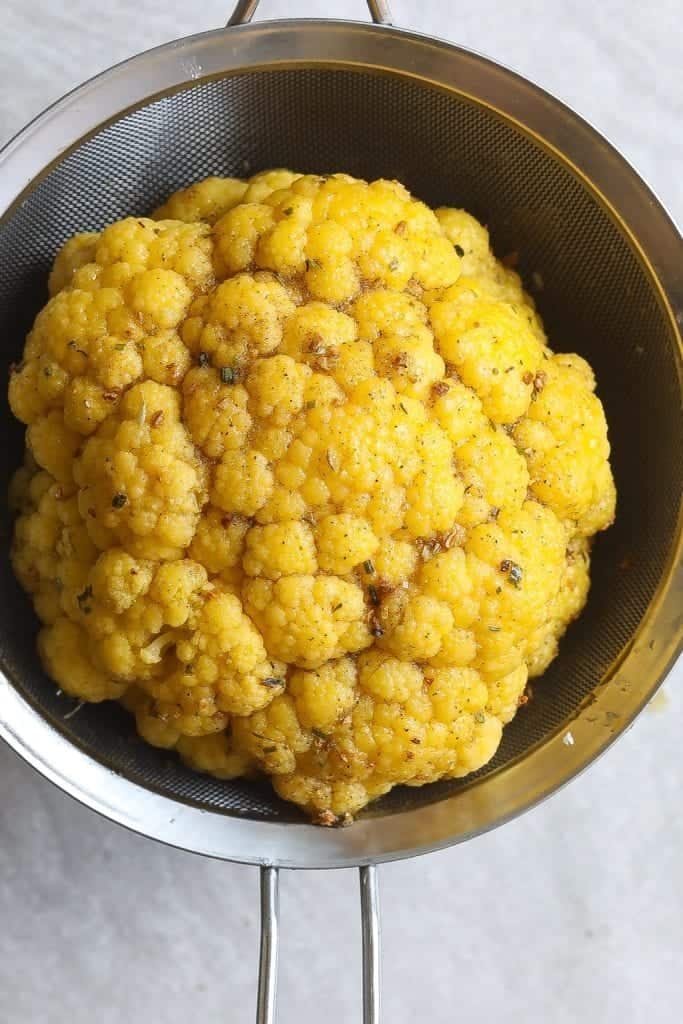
(244,11)
(266,1007)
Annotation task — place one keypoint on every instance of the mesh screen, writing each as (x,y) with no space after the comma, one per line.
(596,300)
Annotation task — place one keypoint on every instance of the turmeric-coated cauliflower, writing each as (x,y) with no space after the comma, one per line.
(305,487)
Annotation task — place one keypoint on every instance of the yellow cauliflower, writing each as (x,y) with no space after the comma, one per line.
(305,487)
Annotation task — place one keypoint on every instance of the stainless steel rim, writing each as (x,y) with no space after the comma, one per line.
(545,768)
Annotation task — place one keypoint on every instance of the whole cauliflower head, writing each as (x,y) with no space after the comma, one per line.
(305,487)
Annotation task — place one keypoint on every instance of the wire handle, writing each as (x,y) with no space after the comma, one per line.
(370,923)
(270,936)
(266,1006)
(380,12)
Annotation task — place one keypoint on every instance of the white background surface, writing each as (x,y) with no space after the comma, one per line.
(573,913)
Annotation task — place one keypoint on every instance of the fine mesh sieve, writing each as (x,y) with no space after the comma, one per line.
(605,261)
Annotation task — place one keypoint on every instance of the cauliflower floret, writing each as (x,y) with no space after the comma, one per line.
(224,652)
(63,646)
(306,620)
(204,200)
(214,754)
(494,349)
(405,724)
(73,255)
(280,549)
(52,552)
(564,439)
(141,481)
(115,298)
(215,412)
(305,488)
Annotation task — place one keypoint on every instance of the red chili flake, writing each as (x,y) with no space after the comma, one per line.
(157,418)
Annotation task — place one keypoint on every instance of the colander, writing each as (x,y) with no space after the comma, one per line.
(605,261)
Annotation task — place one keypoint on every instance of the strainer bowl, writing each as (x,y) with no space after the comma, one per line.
(605,261)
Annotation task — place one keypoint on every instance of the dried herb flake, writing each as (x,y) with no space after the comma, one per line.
(513,571)
(83,600)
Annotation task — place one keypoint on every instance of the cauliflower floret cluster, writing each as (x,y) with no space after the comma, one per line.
(305,487)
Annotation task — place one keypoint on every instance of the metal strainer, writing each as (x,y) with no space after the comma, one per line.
(607,263)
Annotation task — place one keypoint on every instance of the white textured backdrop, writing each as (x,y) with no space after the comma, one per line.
(573,913)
